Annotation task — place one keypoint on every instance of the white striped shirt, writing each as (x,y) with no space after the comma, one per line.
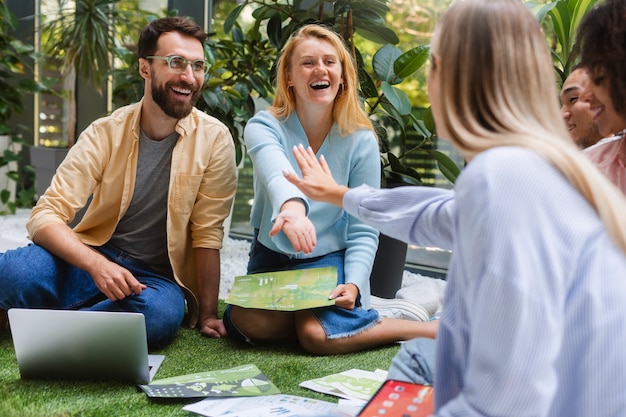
(534,318)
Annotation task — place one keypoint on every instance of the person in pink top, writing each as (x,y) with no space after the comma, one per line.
(602,39)
(609,155)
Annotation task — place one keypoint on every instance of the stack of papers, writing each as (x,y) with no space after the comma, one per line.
(354,384)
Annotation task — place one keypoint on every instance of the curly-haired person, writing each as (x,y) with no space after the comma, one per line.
(601,41)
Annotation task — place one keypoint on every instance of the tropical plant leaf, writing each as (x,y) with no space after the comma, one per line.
(369,17)
(397,98)
(577,10)
(378,34)
(274,30)
(561,21)
(446,165)
(368,88)
(429,120)
(231,19)
(383,63)
(410,61)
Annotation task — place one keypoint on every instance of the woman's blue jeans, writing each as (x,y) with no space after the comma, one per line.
(415,362)
(31,277)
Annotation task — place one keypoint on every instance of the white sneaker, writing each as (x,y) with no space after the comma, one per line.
(395,308)
(436,315)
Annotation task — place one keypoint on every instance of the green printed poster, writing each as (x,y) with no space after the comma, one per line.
(285,290)
(353,384)
(241,381)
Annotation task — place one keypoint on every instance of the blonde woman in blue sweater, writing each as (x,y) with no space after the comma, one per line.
(316,105)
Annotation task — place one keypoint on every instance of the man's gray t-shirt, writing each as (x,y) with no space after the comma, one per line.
(142,232)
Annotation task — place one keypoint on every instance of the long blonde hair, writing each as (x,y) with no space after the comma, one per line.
(348,112)
(508,96)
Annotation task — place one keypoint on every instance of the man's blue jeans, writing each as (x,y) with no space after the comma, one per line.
(31,277)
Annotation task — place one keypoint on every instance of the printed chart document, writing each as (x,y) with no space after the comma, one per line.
(270,405)
(284,290)
(245,380)
(353,384)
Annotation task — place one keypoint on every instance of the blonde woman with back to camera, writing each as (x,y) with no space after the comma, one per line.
(534,321)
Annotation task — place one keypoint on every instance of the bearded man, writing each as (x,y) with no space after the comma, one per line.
(162,177)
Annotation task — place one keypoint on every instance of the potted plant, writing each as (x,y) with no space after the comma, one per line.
(15,60)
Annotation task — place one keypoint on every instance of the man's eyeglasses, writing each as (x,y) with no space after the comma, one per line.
(179,64)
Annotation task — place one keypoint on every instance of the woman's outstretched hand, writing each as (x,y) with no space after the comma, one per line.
(317,181)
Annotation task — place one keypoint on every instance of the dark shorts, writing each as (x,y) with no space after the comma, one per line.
(337,322)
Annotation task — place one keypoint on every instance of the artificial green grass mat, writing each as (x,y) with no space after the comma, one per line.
(285,365)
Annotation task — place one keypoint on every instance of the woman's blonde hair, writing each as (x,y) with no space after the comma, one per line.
(508,96)
(348,112)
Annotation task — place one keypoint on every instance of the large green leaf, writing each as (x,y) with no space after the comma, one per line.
(561,21)
(410,61)
(377,34)
(368,17)
(368,88)
(231,19)
(377,6)
(397,98)
(383,63)
(429,120)
(274,30)
(446,165)
(577,10)
(565,16)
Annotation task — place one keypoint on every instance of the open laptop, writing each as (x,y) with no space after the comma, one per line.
(82,345)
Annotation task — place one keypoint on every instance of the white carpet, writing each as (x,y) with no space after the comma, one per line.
(426,291)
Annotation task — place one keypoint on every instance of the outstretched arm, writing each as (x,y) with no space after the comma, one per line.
(293,221)
(317,182)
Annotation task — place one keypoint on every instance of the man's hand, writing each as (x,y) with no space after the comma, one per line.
(213,327)
(114,281)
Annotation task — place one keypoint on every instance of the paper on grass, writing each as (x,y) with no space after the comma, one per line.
(284,290)
(245,380)
(353,384)
(270,405)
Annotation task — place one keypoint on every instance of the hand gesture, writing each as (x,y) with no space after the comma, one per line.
(293,221)
(317,181)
